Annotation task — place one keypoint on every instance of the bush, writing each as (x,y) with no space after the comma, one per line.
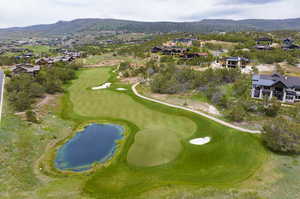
(272,107)
(31,116)
(237,113)
(282,135)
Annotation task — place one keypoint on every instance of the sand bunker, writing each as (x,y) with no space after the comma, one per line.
(121,89)
(104,86)
(200,141)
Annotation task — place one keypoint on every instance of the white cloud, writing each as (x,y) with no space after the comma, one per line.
(29,12)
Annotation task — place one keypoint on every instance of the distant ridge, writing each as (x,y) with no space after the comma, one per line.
(204,26)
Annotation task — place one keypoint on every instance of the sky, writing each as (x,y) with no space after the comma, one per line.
(30,12)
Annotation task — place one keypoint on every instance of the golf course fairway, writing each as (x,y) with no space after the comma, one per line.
(157,151)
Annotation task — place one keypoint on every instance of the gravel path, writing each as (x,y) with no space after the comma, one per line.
(197,112)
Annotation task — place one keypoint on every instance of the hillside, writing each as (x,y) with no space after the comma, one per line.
(204,26)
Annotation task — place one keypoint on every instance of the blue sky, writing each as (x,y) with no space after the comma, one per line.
(30,12)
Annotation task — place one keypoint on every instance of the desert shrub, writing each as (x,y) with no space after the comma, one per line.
(31,116)
(272,107)
(237,113)
(282,135)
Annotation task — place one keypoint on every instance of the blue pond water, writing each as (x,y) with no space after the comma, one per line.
(96,143)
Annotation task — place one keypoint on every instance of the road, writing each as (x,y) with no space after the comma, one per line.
(2,82)
(194,111)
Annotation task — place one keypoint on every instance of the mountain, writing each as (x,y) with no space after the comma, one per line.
(204,26)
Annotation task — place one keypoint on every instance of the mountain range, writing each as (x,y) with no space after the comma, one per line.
(203,26)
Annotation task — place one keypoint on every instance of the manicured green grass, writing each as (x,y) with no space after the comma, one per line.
(38,49)
(230,157)
(152,147)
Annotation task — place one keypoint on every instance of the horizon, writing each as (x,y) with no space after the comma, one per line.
(32,12)
(145,21)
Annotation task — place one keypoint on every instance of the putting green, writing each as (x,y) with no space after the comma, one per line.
(154,147)
(158,152)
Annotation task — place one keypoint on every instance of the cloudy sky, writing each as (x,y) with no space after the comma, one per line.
(29,12)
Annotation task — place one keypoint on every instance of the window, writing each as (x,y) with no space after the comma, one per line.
(289,97)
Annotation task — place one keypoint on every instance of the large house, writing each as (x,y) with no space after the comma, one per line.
(25,68)
(169,50)
(283,88)
(193,55)
(264,43)
(234,62)
(288,44)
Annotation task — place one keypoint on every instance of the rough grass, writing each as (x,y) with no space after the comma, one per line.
(231,157)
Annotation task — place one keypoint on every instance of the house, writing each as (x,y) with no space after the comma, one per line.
(169,50)
(184,41)
(193,55)
(25,68)
(288,44)
(283,88)
(156,49)
(234,62)
(44,61)
(264,43)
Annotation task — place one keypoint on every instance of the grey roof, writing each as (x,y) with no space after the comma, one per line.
(237,59)
(269,80)
(29,68)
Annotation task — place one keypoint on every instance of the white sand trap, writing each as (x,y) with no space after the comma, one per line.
(104,86)
(200,141)
(121,89)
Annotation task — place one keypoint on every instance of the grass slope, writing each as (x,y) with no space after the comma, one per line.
(231,157)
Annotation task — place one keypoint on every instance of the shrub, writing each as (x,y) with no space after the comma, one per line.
(282,135)
(237,113)
(31,116)
(272,108)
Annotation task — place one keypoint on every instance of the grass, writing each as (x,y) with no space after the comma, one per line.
(231,157)
(149,149)
(113,60)
(38,48)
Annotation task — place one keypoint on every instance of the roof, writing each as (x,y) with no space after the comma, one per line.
(29,68)
(264,39)
(270,80)
(237,59)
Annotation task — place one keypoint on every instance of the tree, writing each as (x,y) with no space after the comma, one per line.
(282,135)
(21,100)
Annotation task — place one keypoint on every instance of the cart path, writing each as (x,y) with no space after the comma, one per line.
(194,111)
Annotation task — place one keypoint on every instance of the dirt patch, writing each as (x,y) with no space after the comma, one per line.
(189,103)
(131,80)
(104,63)
(266,68)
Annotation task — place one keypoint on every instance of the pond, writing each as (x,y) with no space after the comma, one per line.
(95,144)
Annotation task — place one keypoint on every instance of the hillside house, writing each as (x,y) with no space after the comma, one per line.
(169,50)
(283,88)
(25,68)
(234,62)
(156,49)
(288,44)
(193,55)
(264,43)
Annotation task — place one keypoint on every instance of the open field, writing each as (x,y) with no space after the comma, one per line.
(109,60)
